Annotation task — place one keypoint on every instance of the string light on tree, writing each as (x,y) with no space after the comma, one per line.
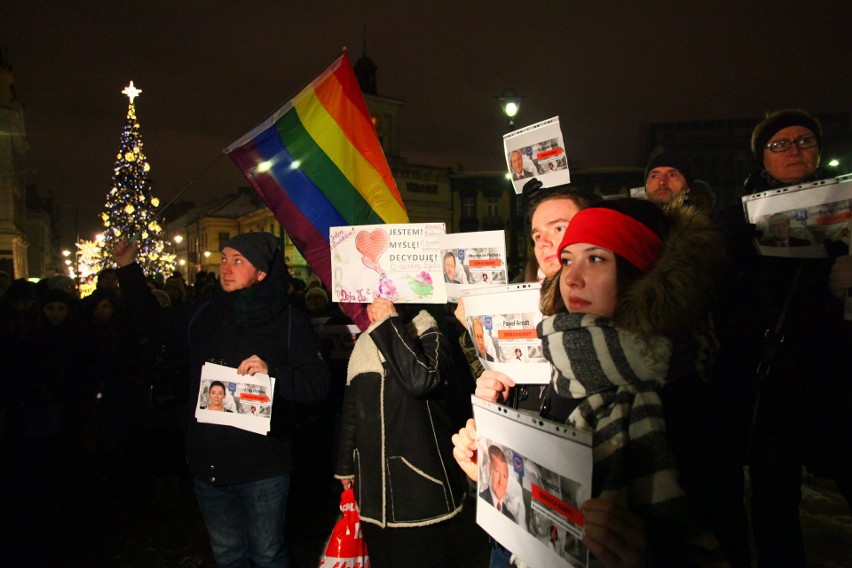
(90,258)
(131,208)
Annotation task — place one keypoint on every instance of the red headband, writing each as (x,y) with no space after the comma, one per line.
(623,235)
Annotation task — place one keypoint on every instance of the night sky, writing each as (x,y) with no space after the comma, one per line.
(209,70)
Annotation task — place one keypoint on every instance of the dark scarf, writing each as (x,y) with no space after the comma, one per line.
(618,374)
(255,304)
(763,180)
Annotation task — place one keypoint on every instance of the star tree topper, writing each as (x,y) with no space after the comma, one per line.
(131,92)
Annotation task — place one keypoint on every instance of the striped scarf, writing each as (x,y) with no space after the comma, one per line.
(618,374)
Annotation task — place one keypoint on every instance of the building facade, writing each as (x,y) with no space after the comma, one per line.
(13,149)
(720,149)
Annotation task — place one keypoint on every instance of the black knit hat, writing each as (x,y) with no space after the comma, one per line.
(671,160)
(258,248)
(779,120)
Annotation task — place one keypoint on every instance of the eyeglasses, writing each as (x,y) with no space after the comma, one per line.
(802,142)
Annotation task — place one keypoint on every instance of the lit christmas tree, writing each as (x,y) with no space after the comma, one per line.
(131,208)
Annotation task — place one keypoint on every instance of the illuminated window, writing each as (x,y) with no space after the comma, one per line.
(468,207)
(223,238)
(492,205)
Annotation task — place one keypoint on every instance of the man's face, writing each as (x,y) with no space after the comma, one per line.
(108,280)
(549,221)
(236,272)
(779,229)
(517,162)
(479,337)
(499,477)
(794,165)
(450,267)
(664,184)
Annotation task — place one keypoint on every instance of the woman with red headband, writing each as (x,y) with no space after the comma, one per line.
(624,329)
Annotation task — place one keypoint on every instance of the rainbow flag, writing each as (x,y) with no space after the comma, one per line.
(317,163)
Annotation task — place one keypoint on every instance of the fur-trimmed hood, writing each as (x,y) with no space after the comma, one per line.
(677,293)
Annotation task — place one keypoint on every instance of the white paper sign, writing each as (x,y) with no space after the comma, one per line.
(549,470)
(247,403)
(537,151)
(471,260)
(795,221)
(399,262)
(501,323)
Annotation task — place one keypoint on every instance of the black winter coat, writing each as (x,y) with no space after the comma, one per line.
(283,337)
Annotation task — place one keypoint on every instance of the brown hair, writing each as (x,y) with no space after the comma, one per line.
(625,273)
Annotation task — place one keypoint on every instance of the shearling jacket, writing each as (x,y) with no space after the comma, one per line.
(399,414)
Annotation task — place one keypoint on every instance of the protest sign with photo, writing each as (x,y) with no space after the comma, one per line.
(638,192)
(797,220)
(501,321)
(229,399)
(533,476)
(401,263)
(537,151)
(471,260)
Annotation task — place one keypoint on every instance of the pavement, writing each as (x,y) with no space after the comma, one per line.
(66,509)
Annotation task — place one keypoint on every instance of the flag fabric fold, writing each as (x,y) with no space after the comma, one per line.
(317,163)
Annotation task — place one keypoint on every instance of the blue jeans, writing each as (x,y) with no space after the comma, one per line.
(499,556)
(246,522)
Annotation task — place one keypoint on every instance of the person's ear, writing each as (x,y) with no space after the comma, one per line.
(260,275)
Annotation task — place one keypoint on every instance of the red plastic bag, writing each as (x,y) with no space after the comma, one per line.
(346,547)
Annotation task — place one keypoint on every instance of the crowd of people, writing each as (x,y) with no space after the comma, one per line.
(688,357)
(718,294)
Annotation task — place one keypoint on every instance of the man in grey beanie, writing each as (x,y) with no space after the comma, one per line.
(257,248)
(242,479)
(667,176)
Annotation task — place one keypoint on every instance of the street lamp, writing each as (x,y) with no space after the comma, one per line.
(510,104)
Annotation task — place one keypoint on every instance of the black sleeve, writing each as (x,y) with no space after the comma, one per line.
(414,362)
(344,464)
(167,325)
(304,377)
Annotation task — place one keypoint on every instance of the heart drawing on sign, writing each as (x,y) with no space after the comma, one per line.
(371,245)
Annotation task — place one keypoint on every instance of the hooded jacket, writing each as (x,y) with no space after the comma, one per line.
(226,329)
(400,410)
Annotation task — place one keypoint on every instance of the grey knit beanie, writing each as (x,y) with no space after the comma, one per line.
(258,248)
(670,160)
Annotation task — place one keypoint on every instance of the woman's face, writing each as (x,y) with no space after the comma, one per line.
(588,282)
(55,312)
(549,221)
(795,164)
(104,311)
(217,395)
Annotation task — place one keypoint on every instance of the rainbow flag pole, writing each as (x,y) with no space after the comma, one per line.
(318,163)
